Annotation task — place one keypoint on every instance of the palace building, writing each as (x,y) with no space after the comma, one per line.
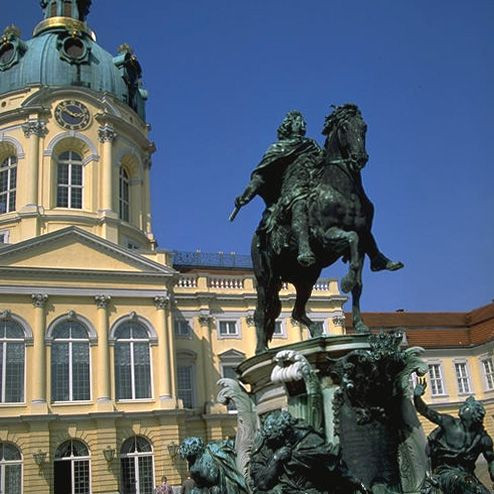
(110,348)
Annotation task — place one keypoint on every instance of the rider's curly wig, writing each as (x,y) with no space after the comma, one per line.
(285,129)
(339,115)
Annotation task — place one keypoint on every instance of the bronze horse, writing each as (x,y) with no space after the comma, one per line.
(340,220)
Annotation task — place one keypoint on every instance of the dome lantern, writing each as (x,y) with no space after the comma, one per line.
(76,9)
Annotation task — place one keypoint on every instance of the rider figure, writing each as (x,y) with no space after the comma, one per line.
(283,179)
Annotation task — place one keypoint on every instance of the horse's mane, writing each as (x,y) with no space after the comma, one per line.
(339,114)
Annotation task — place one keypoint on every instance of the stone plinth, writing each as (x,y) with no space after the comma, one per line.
(256,371)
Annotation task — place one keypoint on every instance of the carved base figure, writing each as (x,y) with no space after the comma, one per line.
(212,467)
(455,446)
(290,457)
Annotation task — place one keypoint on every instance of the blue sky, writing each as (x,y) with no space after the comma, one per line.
(222,74)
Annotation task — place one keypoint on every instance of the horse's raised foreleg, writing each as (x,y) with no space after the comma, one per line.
(304,291)
(358,324)
(343,241)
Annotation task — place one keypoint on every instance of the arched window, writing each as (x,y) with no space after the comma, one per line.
(70,378)
(123,196)
(10,469)
(8,184)
(12,357)
(136,462)
(69,180)
(132,361)
(71,468)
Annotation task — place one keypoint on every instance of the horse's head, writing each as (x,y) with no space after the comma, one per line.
(345,131)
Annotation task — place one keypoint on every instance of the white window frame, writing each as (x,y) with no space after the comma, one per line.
(7,165)
(72,460)
(5,236)
(123,205)
(440,379)
(5,463)
(180,322)
(488,373)
(462,375)
(132,373)
(192,367)
(282,325)
(69,186)
(70,341)
(135,455)
(229,321)
(231,365)
(4,342)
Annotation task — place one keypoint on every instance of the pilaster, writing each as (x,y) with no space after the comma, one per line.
(103,398)
(205,320)
(106,135)
(165,356)
(38,363)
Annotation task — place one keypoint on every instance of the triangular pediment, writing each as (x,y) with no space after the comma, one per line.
(75,249)
(232,355)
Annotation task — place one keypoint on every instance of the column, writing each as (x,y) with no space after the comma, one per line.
(103,371)
(33,130)
(38,362)
(205,321)
(165,358)
(107,135)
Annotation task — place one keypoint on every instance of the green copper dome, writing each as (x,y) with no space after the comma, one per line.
(64,52)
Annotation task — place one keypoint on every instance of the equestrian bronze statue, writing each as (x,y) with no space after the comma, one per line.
(316,213)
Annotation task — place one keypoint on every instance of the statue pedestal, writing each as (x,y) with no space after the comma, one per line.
(256,371)
(354,391)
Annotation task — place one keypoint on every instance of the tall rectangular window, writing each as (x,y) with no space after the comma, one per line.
(182,328)
(278,328)
(488,367)
(229,371)
(228,328)
(462,377)
(185,385)
(436,379)
(123,195)
(8,184)
(69,180)
(12,358)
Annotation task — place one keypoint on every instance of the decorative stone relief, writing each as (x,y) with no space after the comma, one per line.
(39,299)
(106,133)
(35,127)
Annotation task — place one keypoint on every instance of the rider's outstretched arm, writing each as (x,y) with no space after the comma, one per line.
(252,189)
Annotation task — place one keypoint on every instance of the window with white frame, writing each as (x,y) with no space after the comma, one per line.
(319,325)
(70,367)
(136,466)
(132,361)
(228,328)
(462,377)
(69,180)
(229,370)
(71,473)
(436,379)
(488,368)
(123,195)
(8,184)
(10,469)
(183,328)
(185,384)
(4,237)
(12,361)
(278,329)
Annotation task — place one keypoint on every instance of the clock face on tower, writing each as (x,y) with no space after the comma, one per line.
(72,115)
